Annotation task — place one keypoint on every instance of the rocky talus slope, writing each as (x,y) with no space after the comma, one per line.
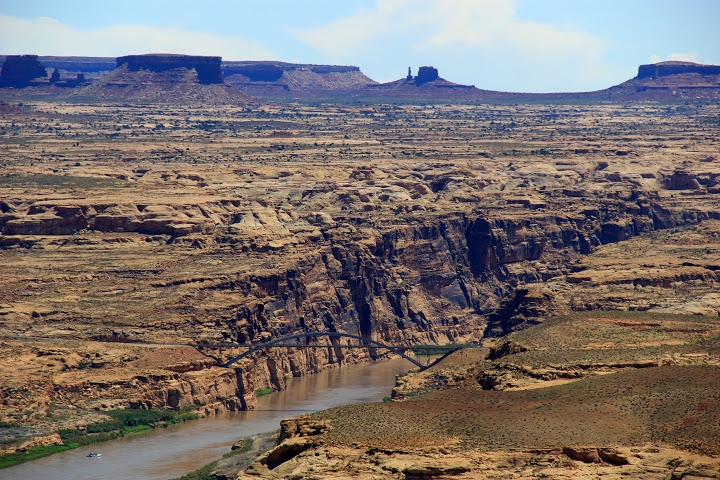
(179,84)
(408,225)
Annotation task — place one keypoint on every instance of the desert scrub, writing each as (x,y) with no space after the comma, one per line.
(126,419)
(245,445)
(11,459)
(71,438)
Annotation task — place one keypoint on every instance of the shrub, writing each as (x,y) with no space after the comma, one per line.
(263,391)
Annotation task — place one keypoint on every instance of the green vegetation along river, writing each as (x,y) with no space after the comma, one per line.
(170,452)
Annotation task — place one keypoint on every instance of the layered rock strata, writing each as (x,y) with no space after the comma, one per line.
(227,224)
(421,284)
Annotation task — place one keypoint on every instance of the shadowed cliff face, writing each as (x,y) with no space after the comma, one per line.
(426,74)
(461,265)
(665,69)
(208,68)
(19,70)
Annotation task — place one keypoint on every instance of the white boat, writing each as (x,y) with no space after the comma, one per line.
(94,455)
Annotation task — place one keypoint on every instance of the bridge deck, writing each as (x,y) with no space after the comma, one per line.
(300,345)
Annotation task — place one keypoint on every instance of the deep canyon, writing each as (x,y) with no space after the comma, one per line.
(129,232)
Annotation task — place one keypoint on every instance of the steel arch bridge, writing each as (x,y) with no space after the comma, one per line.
(368,343)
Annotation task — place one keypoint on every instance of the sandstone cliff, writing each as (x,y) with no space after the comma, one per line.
(425,283)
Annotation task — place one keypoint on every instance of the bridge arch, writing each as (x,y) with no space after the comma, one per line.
(371,343)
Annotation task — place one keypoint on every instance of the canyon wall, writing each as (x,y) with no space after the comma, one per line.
(433,282)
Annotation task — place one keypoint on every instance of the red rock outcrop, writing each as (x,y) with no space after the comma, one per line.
(7,108)
(426,85)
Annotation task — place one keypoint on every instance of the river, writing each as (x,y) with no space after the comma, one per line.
(170,452)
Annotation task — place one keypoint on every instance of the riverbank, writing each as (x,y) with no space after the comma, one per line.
(241,456)
(164,453)
(119,423)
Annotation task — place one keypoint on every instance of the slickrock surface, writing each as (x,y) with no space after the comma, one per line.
(176,224)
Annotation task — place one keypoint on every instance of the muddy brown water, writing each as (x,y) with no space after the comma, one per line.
(171,452)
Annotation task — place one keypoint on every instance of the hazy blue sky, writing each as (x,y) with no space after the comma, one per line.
(517,45)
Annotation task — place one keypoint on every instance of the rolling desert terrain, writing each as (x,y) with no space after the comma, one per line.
(573,247)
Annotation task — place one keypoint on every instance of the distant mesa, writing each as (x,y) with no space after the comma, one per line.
(274,71)
(670,81)
(165,78)
(663,69)
(268,71)
(426,74)
(257,72)
(426,85)
(20,70)
(158,77)
(277,80)
(208,69)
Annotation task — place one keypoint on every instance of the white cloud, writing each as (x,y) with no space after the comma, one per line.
(678,57)
(478,34)
(47,36)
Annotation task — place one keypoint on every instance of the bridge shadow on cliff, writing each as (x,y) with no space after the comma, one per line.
(285,342)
